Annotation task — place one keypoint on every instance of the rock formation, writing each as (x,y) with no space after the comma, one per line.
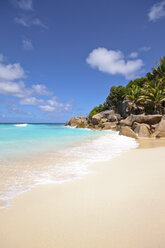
(134,126)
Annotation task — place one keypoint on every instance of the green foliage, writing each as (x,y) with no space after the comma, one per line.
(137,82)
(145,94)
(116,96)
(98,109)
(158,71)
(134,94)
(154,96)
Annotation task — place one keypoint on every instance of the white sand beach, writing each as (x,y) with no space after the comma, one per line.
(120,205)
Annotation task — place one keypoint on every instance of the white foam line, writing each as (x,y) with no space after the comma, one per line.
(73,162)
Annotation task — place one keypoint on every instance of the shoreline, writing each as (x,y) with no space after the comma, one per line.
(61,165)
(120,204)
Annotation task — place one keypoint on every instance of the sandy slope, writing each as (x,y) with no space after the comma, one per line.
(120,205)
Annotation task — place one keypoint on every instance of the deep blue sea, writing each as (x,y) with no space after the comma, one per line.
(32,154)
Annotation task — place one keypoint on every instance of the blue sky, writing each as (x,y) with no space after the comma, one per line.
(59,58)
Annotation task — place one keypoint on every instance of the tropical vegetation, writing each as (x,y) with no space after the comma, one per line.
(143,95)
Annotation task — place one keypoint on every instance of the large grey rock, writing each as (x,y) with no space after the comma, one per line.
(96,119)
(136,124)
(71,121)
(127,121)
(149,119)
(109,125)
(103,120)
(80,122)
(127,131)
(107,115)
(160,128)
(124,108)
(142,130)
(111,115)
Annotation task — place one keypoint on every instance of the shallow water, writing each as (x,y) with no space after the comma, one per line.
(51,153)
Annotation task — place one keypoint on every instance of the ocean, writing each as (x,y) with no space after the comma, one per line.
(32,154)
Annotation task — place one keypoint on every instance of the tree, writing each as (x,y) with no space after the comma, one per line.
(98,109)
(134,94)
(154,96)
(116,96)
(159,70)
(137,82)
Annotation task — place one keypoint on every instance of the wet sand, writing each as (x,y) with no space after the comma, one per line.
(151,142)
(120,205)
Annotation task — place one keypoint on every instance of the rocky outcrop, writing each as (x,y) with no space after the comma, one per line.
(135,126)
(160,129)
(79,122)
(105,116)
(109,125)
(127,131)
(96,119)
(148,119)
(142,130)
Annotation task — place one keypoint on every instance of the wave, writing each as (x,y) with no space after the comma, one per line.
(62,165)
(21,125)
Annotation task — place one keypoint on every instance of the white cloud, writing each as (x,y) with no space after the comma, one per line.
(68,106)
(53,102)
(52,105)
(23,4)
(38,22)
(11,76)
(14,89)
(8,74)
(22,21)
(30,101)
(27,44)
(133,55)
(145,49)
(11,84)
(27,21)
(11,71)
(157,11)
(47,108)
(41,89)
(114,62)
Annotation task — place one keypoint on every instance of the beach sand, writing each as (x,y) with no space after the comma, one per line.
(121,204)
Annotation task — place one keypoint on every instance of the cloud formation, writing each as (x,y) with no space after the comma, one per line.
(16,89)
(41,89)
(23,4)
(28,21)
(11,71)
(52,105)
(30,101)
(27,44)
(133,55)
(157,11)
(145,49)
(12,84)
(114,62)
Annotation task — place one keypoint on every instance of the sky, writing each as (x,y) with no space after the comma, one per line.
(60,58)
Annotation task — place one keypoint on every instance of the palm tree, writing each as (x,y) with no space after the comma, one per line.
(134,96)
(154,95)
(159,70)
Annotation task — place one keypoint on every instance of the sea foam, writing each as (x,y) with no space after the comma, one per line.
(21,125)
(61,165)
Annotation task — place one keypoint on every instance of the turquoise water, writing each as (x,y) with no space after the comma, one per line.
(22,140)
(34,154)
